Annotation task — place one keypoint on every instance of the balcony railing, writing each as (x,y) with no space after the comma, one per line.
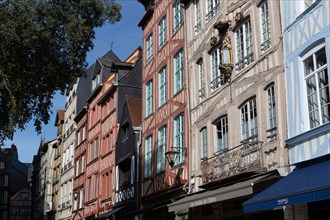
(241,159)
(124,194)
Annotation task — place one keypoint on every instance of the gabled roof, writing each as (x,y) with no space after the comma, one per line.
(59,117)
(134,110)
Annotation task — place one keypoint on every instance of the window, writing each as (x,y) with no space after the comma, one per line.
(96,81)
(82,163)
(317,86)
(81,196)
(265,27)
(96,186)
(162,33)
(148,157)
(179,138)
(244,53)
(78,138)
(149,49)
(201,79)
(77,167)
(2,165)
(221,126)
(212,9)
(89,188)
(271,114)
(203,135)
(93,149)
(177,16)
(249,127)
(217,78)
(149,98)
(198,22)
(178,71)
(162,87)
(84,133)
(161,149)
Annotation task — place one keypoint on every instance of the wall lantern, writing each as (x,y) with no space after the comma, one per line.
(172,154)
(75,195)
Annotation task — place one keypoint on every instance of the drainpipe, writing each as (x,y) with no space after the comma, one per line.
(138,130)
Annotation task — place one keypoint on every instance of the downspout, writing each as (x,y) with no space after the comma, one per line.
(138,130)
(188,102)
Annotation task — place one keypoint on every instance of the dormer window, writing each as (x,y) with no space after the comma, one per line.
(96,81)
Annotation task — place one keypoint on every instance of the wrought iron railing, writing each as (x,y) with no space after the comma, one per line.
(244,158)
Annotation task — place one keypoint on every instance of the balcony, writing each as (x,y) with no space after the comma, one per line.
(124,193)
(241,159)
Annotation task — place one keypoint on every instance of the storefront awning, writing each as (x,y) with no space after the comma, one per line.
(305,184)
(224,193)
(108,214)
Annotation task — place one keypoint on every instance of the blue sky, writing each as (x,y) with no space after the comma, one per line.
(124,36)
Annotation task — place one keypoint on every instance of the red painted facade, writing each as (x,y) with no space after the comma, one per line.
(175,105)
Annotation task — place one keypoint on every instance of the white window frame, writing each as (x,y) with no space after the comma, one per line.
(161,160)
(149,49)
(177,16)
(244,45)
(249,121)
(204,146)
(201,73)
(178,71)
(148,157)
(217,78)
(212,8)
(162,86)
(149,98)
(271,113)
(178,135)
(265,26)
(222,134)
(162,33)
(315,73)
(198,19)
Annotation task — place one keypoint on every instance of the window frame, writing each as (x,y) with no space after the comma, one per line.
(212,8)
(265,26)
(162,86)
(204,144)
(179,138)
(162,32)
(201,74)
(315,73)
(149,48)
(148,157)
(149,98)
(249,121)
(221,134)
(271,112)
(178,71)
(177,16)
(244,42)
(161,149)
(198,17)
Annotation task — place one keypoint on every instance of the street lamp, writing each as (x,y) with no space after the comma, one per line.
(172,154)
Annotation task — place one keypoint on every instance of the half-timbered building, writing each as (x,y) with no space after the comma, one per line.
(165,116)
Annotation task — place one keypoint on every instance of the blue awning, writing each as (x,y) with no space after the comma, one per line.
(305,184)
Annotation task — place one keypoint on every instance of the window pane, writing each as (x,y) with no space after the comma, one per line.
(308,65)
(321,58)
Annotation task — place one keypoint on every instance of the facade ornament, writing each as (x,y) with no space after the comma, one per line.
(238,16)
(213,41)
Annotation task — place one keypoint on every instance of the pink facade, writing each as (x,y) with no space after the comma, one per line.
(166,58)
